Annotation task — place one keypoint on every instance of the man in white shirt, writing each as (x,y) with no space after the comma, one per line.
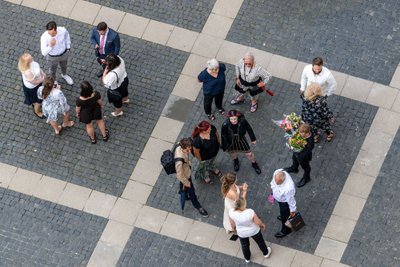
(283,191)
(316,72)
(55,44)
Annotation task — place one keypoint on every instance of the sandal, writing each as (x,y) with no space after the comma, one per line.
(208,180)
(58,134)
(211,117)
(221,111)
(69,125)
(235,101)
(316,138)
(330,136)
(253,108)
(219,174)
(105,138)
(94,140)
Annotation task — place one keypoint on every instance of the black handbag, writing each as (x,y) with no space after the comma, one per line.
(296,222)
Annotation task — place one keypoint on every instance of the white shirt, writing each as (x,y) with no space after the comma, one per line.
(325,79)
(105,41)
(285,191)
(63,42)
(245,226)
(111,81)
(33,74)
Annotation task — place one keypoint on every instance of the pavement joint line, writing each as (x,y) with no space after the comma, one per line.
(348,76)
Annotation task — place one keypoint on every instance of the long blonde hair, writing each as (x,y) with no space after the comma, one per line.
(24,62)
(227,181)
(313,91)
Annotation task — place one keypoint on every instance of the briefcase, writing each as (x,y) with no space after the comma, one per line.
(296,222)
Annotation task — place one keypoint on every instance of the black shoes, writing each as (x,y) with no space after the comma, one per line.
(256,167)
(290,169)
(203,212)
(280,234)
(236,165)
(303,182)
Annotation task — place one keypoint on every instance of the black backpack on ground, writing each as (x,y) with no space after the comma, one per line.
(168,160)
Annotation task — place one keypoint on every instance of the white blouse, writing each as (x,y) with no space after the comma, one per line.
(116,77)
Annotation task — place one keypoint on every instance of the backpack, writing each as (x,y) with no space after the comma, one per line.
(168,160)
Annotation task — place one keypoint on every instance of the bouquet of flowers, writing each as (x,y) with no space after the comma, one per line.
(290,124)
(296,143)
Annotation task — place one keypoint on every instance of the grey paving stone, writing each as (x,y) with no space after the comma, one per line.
(360,38)
(189,14)
(376,237)
(149,249)
(28,142)
(330,166)
(34,232)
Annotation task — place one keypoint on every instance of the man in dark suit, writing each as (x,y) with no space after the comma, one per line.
(106,42)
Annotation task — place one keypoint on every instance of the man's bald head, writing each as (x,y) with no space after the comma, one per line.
(279,177)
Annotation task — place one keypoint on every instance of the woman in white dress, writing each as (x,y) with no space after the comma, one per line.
(231,192)
(54,104)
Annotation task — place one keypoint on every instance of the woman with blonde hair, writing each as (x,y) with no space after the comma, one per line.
(54,103)
(231,192)
(316,113)
(32,78)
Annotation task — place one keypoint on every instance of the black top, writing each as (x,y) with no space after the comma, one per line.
(228,130)
(208,148)
(90,108)
(306,153)
(212,85)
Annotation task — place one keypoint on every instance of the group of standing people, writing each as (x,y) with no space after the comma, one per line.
(45,95)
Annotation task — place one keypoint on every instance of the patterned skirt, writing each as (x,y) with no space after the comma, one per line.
(204,168)
(239,145)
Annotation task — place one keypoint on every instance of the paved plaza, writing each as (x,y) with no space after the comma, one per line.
(66,202)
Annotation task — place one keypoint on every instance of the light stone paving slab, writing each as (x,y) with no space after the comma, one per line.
(368,163)
(395,82)
(176,226)
(298,70)
(358,185)
(194,65)
(158,32)
(262,58)
(396,105)
(151,219)
(125,211)
(167,129)
(202,234)
(349,206)
(330,249)
(207,46)
(116,234)
(74,196)
(146,172)
(133,25)
(386,121)
(217,26)
(49,189)
(224,245)
(382,96)
(187,87)
(331,263)
(281,256)
(7,172)
(61,7)
(341,80)
(305,260)
(85,12)
(36,4)
(18,2)
(112,17)
(339,228)
(154,149)
(137,191)
(281,67)
(100,204)
(377,142)
(227,8)
(357,88)
(231,52)
(24,181)
(182,39)
(105,255)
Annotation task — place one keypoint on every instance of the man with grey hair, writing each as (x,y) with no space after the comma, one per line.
(283,191)
(250,78)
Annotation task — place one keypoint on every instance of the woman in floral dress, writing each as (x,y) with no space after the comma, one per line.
(316,113)
(54,104)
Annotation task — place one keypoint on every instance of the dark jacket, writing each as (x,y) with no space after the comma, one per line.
(227,133)
(306,153)
(112,45)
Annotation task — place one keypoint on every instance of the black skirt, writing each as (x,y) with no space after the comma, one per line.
(31,94)
(238,144)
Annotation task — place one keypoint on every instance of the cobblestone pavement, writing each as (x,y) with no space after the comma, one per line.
(34,232)
(376,238)
(29,143)
(149,249)
(360,38)
(189,14)
(330,166)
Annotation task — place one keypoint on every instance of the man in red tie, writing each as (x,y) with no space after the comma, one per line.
(106,41)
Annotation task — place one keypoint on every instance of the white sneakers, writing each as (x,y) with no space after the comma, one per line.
(114,114)
(265,256)
(68,79)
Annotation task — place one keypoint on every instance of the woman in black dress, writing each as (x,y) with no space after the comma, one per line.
(233,135)
(88,109)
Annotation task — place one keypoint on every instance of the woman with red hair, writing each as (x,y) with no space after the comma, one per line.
(206,143)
